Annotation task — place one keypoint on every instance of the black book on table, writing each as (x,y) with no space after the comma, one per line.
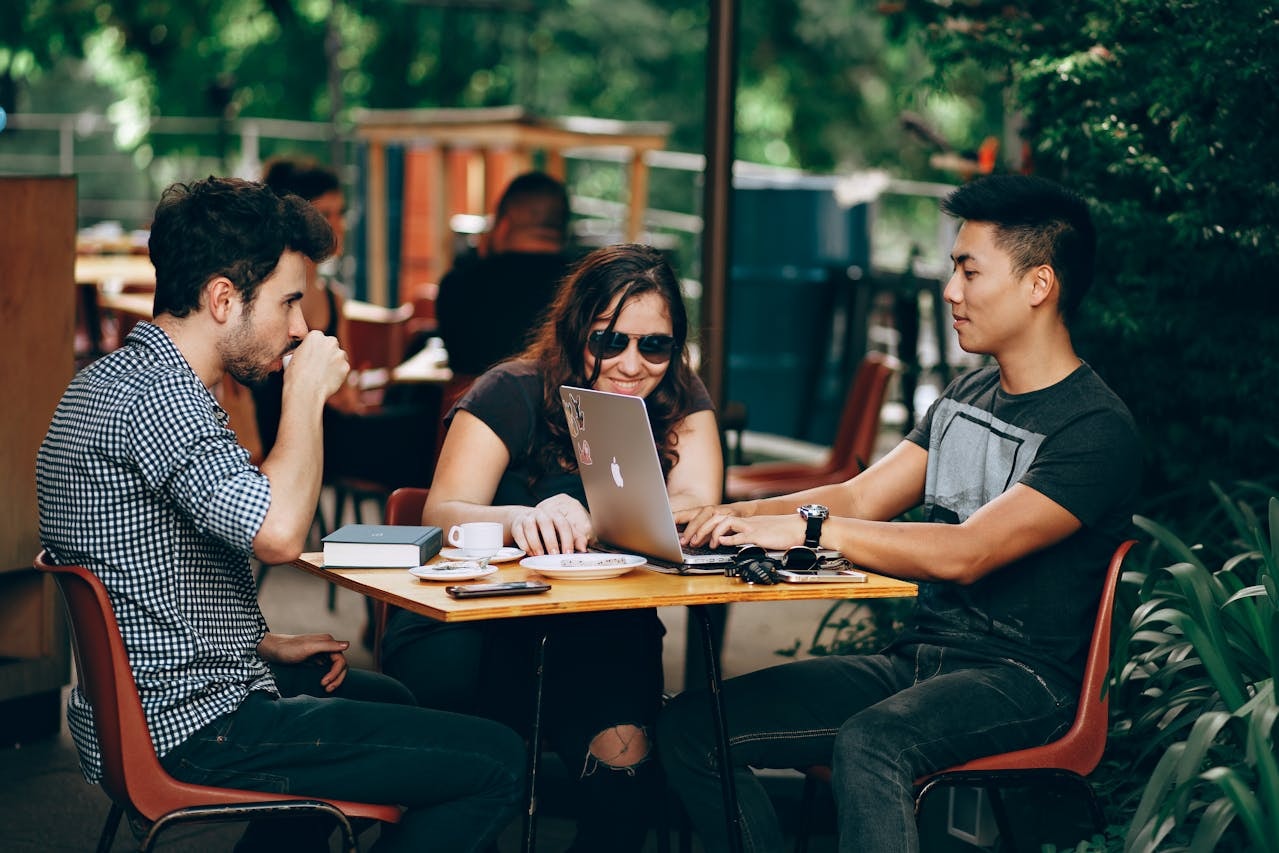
(392,546)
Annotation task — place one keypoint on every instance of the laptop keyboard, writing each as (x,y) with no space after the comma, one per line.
(708,551)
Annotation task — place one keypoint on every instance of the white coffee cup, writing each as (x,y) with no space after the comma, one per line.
(477,538)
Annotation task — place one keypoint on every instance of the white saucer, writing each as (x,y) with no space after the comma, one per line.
(505,555)
(582,567)
(459,571)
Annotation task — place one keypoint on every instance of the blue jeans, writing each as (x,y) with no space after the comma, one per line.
(461,778)
(881,721)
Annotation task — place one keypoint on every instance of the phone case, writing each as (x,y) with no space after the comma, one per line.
(485,590)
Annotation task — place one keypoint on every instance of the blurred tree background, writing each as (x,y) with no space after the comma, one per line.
(1165,114)
(1162,111)
(822,82)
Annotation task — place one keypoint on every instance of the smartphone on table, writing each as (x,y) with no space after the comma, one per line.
(821,576)
(485,590)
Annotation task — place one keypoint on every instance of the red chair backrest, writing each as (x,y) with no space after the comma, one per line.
(1080,749)
(859,420)
(404,506)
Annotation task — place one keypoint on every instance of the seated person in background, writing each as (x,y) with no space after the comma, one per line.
(323,297)
(490,302)
(509,458)
(140,481)
(1027,472)
(383,443)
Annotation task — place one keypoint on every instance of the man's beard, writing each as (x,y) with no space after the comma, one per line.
(247,373)
(245,361)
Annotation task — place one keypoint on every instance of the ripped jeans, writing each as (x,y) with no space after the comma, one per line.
(603,671)
(880,721)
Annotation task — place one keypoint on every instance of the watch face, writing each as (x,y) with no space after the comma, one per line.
(814,511)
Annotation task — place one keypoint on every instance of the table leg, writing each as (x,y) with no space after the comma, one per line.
(728,784)
(535,752)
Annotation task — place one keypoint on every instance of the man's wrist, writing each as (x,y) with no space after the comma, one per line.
(814,516)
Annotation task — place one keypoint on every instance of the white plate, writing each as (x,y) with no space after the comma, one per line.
(582,567)
(503,556)
(460,571)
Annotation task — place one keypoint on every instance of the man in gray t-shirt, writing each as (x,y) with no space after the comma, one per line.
(1026,474)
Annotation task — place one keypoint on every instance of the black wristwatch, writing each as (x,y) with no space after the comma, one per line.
(814,514)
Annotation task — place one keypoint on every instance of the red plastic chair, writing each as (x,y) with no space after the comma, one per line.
(1065,761)
(132,775)
(403,506)
(853,448)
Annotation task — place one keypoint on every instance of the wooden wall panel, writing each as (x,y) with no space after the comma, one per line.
(37,319)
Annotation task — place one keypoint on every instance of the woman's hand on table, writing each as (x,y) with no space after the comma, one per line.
(322,649)
(557,525)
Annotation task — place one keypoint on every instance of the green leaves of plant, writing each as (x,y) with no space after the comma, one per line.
(1201,645)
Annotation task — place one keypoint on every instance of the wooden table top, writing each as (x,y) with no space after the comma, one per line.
(636,589)
(135,304)
(111,271)
(427,366)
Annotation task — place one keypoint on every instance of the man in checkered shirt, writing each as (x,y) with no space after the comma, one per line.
(141,481)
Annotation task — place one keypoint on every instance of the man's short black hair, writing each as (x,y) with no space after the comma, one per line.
(535,200)
(1037,222)
(227,227)
(300,176)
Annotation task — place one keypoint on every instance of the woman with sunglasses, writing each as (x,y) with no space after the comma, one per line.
(617,324)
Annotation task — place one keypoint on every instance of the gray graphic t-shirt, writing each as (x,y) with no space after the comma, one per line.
(1073,442)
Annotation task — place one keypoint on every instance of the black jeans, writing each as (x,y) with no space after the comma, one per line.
(602,670)
(461,778)
(881,721)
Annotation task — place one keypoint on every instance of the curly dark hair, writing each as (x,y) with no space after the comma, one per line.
(631,270)
(227,227)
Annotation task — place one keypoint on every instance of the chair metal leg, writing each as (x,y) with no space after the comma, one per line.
(535,751)
(250,811)
(807,808)
(109,828)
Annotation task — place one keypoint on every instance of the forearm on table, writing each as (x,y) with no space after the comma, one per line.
(1018,523)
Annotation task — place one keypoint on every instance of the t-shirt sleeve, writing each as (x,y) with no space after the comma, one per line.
(182,451)
(1088,465)
(699,398)
(507,403)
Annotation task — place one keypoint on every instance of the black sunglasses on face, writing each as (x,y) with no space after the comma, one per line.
(656,349)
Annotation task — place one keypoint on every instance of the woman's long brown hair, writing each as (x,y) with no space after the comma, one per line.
(632,270)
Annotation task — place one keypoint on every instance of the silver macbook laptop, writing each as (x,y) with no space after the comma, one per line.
(623,480)
(624,485)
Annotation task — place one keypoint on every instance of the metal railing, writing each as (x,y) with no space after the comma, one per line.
(122,182)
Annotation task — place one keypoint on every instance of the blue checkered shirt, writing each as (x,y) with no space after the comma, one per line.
(140,481)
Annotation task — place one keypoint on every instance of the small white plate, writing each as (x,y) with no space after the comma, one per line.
(503,556)
(459,571)
(582,567)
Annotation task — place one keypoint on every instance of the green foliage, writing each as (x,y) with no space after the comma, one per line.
(857,626)
(1197,662)
(1163,112)
(821,83)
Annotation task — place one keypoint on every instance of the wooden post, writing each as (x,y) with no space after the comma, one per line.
(376,224)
